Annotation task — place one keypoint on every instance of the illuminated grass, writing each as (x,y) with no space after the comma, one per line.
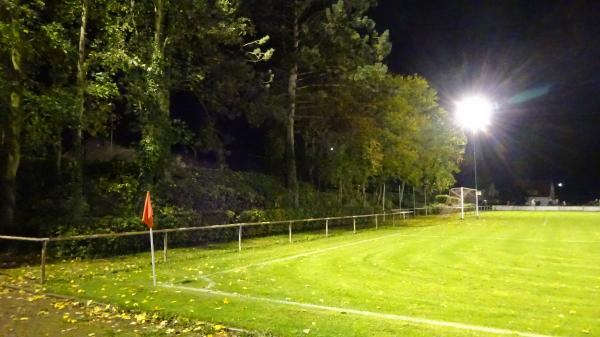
(529,272)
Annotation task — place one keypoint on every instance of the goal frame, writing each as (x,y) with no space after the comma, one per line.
(461,194)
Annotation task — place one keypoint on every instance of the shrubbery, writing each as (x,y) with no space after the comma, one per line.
(187,196)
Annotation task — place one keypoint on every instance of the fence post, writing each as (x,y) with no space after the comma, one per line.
(165,239)
(414,203)
(354,224)
(43,264)
(240,239)
(290,228)
(383,203)
(462,204)
(376,225)
(393,219)
(425,193)
(327,227)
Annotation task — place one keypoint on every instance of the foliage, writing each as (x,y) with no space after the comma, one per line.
(307,78)
(251,215)
(442,199)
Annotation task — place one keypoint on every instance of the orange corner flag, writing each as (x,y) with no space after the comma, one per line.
(148,215)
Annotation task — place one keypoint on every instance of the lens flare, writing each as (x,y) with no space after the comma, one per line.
(474,113)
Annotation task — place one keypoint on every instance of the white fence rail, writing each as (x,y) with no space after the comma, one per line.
(397,212)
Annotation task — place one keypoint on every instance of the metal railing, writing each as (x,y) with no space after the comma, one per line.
(45,240)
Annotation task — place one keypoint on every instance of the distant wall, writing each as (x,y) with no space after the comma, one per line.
(547,208)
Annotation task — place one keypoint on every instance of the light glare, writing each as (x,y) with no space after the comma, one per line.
(474,113)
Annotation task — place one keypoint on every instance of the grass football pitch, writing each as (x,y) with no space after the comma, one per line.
(507,273)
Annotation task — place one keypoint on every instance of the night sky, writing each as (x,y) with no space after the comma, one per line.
(537,60)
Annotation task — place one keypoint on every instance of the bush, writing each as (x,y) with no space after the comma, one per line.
(187,196)
(442,199)
(251,215)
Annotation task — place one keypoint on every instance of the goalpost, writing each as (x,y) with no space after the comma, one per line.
(466,198)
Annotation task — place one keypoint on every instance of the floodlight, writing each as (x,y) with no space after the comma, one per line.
(560,184)
(474,113)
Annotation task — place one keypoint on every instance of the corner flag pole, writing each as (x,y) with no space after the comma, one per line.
(152,254)
(148,219)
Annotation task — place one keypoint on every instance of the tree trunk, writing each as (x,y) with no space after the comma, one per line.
(8,200)
(158,57)
(58,161)
(292,179)
(221,158)
(377,195)
(155,119)
(112,131)
(425,198)
(414,202)
(79,200)
(341,191)
(364,195)
(12,135)
(311,173)
(401,194)
(309,146)
(383,197)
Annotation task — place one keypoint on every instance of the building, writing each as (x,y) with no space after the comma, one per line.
(541,192)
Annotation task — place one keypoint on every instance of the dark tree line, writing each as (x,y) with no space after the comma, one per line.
(309,74)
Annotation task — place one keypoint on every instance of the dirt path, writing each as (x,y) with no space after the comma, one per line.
(24,314)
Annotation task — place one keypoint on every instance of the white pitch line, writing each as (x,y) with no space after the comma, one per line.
(314,252)
(324,250)
(408,319)
(210,282)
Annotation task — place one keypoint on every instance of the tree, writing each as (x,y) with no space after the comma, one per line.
(155,114)
(422,146)
(319,45)
(70,69)
(185,53)
(80,89)
(96,59)
(220,71)
(17,23)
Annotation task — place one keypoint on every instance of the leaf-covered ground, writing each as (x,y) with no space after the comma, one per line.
(35,314)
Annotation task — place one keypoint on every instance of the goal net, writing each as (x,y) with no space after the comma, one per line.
(465,200)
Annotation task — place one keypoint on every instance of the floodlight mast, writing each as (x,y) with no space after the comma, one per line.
(474,113)
(475,171)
